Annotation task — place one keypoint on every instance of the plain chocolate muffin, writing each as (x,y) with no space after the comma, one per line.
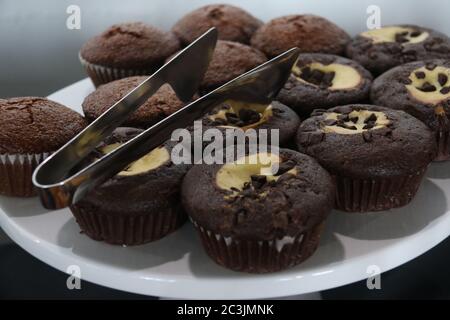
(325,81)
(377,155)
(138,205)
(30,129)
(253,219)
(309,33)
(163,103)
(235,115)
(232,23)
(125,50)
(422,89)
(230,59)
(379,50)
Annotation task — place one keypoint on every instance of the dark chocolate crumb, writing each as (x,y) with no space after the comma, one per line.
(258,181)
(330,122)
(420,75)
(445,90)
(427,87)
(405,81)
(231,117)
(401,37)
(249,116)
(442,78)
(317,77)
(371,118)
(369,125)
(285,167)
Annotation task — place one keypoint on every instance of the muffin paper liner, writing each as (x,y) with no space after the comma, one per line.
(124,229)
(362,195)
(259,256)
(16,172)
(443,141)
(101,74)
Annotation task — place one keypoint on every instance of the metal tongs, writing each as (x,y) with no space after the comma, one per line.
(59,183)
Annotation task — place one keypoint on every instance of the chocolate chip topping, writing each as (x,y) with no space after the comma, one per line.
(347,122)
(417,44)
(402,147)
(346,126)
(422,96)
(445,90)
(401,37)
(285,166)
(442,79)
(245,117)
(264,210)
(427,87)
(415,33)
(278,117)
(249,116)
(317,77)
(419,75)
(258,181)
(338,89)
(371,119)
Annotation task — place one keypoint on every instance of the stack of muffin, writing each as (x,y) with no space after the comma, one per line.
(363,145)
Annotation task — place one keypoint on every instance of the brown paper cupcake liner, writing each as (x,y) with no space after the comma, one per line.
(16,172)
(128,229)
(443,141)
(101,74)
(259,256)
(363,195)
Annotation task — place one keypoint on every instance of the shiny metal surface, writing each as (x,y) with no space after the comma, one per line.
(53,178)
(259,85)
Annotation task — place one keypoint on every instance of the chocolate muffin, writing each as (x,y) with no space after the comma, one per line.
(325,81)
(230,59)
(162,104)
(377,155)
(232,23)
(379,50)
(125,50)
(31,128)
(239,115)
(309,33)
(138,205)
(252,218)
(422,89)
